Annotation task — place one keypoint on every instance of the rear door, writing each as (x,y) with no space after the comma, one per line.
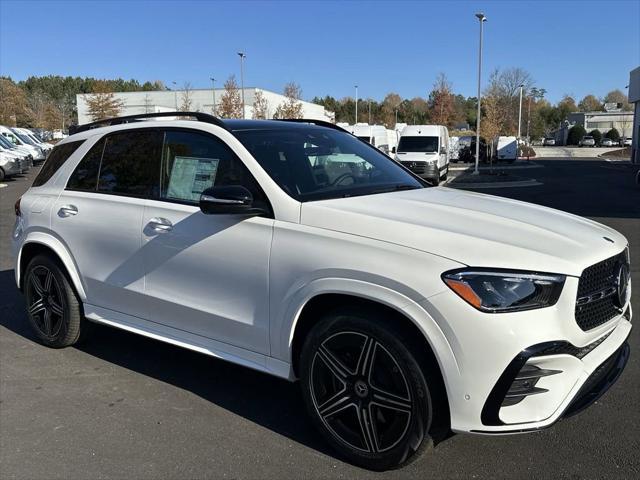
(206,274)
(99,216)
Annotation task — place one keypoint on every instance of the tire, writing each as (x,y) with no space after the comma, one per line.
(446,173)
(365,391)
(436,181)
(1,174)
(53,307)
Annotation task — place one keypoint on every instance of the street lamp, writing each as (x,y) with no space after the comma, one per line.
(175,96)
(482,19)
(356,105)
(520,111)
(242,57)
(213,84)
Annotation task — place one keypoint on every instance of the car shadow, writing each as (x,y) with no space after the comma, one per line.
(268,401)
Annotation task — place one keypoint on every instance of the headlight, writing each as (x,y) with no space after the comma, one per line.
(498,291)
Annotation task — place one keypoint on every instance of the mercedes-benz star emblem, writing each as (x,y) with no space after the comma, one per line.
(621,284)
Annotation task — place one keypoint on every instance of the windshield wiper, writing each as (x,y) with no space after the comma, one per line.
(396,188)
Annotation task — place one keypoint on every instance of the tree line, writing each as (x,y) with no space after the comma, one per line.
(49,102)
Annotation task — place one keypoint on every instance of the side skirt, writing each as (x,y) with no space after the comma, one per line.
(197,343)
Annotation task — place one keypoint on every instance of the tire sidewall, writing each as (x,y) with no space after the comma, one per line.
(416,435)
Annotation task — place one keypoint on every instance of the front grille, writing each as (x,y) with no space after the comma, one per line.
(416,167)
(597,293)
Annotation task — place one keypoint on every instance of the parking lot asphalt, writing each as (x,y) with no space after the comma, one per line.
(122,406)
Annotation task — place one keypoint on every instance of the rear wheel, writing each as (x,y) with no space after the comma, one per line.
(53,308)
(365,390)
(1,174)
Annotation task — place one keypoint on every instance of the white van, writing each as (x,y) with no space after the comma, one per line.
(36,152)
(424,149)
(376,135)
(505,148)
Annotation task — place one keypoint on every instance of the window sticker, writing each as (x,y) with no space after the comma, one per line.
(190,176)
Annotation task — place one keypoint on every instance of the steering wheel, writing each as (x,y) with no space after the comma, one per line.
(340,178)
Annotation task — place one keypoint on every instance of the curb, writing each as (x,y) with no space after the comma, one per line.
(505,167)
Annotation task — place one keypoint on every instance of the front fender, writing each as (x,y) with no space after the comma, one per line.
(406,304)
(56,245)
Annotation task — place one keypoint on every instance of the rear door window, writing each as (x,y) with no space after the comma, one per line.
(131,164)
(85,177)
(58,156)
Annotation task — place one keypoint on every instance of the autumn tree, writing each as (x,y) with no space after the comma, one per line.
(616,96)
(441,101)
(492,118)
(590,104)
(292,106)
(186,100)
(102,103)
(390,105)
(13,103)
(230,105)
(260,106)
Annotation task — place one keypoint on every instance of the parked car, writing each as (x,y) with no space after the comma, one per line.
(295,249)
(46,147)
(9,166)
(626,142)
(424,149)
(606,142)
(34,151)
(25,159)
(549,142)
(587,141)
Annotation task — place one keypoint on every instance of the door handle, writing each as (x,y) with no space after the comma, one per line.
(68,211)
(160,225)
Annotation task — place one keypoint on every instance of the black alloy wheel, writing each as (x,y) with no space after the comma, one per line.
(366,392)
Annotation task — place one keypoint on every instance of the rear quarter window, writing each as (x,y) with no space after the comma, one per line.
(56,159)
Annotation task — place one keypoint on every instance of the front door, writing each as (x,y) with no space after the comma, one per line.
(206,274)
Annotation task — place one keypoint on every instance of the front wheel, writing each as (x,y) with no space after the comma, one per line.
(365,391)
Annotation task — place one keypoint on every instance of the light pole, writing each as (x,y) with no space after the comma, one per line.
(482,19)
(242,57)
(369,111)
(356,105)
(396,117)
(175,96)
(520,111)
(213,85)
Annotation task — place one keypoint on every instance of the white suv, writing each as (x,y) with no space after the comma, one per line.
(298,250)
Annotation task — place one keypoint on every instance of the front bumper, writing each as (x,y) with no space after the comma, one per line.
(491,350)
(12,168)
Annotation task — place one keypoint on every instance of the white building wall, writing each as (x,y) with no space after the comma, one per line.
(201,101)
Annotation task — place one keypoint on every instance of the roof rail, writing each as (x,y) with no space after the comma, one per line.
(200,116)
(320,123)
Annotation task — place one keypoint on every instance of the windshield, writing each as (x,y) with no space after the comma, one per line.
(12,138)
(318,163)
(25,139)
(418,144)
(6,143)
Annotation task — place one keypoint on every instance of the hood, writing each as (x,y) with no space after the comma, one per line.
(471,228)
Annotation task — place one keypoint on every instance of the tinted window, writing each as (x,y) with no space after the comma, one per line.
(193,162)
(131,163)
(85,176)
(58,156)
(317,163)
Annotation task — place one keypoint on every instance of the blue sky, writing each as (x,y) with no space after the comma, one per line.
(574,47)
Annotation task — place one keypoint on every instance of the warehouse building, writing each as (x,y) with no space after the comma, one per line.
(604,121)
(201,100)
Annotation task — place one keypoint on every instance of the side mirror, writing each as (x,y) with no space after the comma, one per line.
(443,150)
(393,149)
(230,199)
